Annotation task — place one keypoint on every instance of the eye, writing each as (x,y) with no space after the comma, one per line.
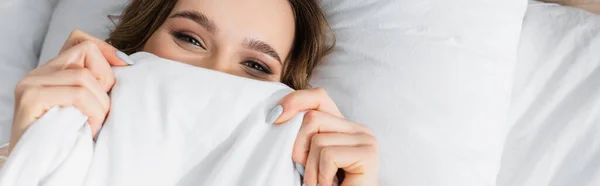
(188,39)
(254,65)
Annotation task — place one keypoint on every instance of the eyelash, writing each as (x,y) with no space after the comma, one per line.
(187,38)
(255,65)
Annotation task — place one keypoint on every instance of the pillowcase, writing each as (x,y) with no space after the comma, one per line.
(24,25)
(89,16)
(555,115)
(431,78)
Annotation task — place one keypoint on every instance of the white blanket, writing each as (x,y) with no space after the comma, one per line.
(170,124)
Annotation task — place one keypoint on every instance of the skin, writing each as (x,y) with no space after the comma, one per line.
(219,43)
(81,76)
(589,5)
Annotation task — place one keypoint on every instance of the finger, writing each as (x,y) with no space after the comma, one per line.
(108,51)
(315,122)
(84,55)
(72,77)
(36,101)
(359,163)
(311,170)
(302,100)
(324,140)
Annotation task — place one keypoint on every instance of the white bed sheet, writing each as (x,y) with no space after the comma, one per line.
(170,124)
(554,136)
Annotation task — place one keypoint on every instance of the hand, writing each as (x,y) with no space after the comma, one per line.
(327,142)
(79,76)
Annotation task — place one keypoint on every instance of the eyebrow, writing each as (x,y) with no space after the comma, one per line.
(209,25)
(262,47)
(197,17)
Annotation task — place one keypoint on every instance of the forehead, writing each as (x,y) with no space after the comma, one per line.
(271,21)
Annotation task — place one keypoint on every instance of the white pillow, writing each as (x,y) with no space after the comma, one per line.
(431,78)
(555,114)
(89,16)
(24,25)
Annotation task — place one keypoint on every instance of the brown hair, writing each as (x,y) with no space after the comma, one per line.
(142,17)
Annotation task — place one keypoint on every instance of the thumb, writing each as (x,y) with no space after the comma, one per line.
(303,100)
(113,56)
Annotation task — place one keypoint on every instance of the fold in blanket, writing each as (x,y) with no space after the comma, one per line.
(170,124)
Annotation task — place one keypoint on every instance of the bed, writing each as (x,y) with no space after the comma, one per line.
(485,95)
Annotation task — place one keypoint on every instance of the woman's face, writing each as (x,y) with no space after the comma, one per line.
(248,38)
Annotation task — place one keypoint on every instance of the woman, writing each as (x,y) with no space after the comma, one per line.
(268,40)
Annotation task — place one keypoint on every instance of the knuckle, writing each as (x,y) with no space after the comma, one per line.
(89,45)
(108,79)
(28,98)
(74,39)
(373,140)
(28,94)
(293,97)
(75,33)
(370,140)
(320,91)
(311,116)
(19,90)
(319,140)
(363,128)
(288,101)
(327,154)
(22,85)
(371,150)
(367,129)
(79,95)
(81,76)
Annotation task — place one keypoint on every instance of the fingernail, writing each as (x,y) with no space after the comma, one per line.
(300,169)
(304,184)
(274,114)
(125,58)
(317,184)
